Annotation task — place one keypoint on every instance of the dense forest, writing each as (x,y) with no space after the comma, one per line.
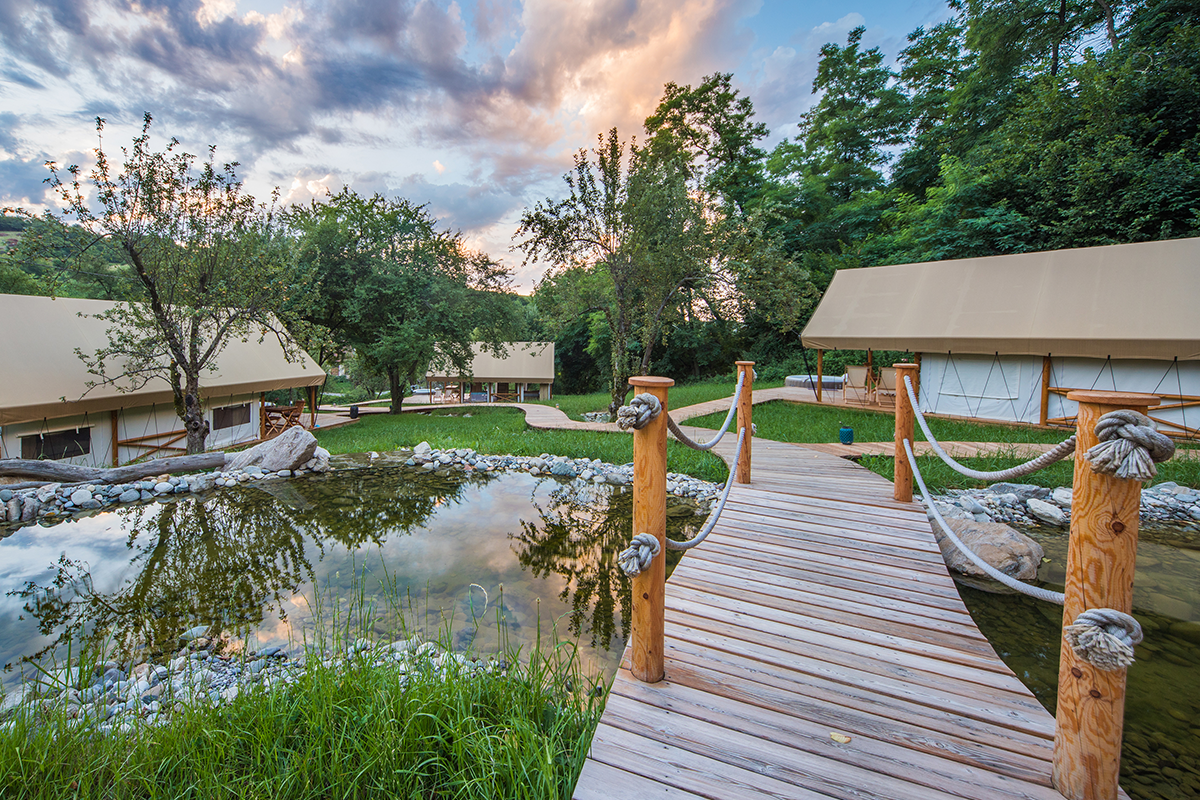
(1014,126)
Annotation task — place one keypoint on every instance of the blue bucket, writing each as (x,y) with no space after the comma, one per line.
(846,435)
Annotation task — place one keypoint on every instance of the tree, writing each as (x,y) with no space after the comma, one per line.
(208,265)
(624,241)
(402,293)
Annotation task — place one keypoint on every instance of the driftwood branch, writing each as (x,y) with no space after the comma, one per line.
(53,471)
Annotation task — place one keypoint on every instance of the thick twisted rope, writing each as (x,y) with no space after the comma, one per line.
(711,443)
(641,409)
(1103,637)
(1057,453)
(992,572)
(1129,446)
(638,555)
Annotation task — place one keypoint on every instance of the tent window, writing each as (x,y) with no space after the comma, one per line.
(231,416)
(53,446)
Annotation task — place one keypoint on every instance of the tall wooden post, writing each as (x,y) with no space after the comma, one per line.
(902,479)
(820,371)
(1100,564)
(650,516)
(745,419)
(1045,412)
(116,437)
(262,415)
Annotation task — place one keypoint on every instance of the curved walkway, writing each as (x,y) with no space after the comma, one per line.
(816,647)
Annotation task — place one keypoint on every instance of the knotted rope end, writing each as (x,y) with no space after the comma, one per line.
(1104,638)
(1130,446)
(634,559)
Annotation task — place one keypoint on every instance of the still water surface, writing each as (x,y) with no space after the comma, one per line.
(482,558)
(1160,758)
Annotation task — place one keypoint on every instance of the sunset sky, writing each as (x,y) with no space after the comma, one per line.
(473,107)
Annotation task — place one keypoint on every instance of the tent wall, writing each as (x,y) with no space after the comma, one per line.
(988,387)
(139,431)
(1009,388)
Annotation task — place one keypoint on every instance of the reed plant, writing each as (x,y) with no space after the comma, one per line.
(510,725)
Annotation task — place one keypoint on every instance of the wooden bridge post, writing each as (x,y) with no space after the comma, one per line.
(745,419)
(902,479)
(1100,565)
(650,516)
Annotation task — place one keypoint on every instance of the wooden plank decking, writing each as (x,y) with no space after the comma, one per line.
(818,606)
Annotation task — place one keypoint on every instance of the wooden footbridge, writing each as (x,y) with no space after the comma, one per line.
(814,646)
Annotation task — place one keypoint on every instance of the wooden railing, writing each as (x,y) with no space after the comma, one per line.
(650,516)
(1101,555)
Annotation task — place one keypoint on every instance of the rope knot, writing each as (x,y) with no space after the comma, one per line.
(639,554)
(1130,445)
(1104,638)
(641,409)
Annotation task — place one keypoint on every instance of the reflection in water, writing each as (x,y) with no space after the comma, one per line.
(260,562)
(1160,755)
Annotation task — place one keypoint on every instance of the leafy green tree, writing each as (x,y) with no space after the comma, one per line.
(208,263)
(624,241)
(404,294)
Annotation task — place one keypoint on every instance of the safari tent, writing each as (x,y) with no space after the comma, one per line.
(52,407)
(1006,337)
(525,371)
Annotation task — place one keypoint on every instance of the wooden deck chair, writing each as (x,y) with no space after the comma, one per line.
(857,383)
(886,385)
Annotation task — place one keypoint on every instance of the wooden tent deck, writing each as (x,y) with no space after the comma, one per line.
(819,606)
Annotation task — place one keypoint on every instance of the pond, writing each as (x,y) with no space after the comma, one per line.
(483,559)
(1160,757)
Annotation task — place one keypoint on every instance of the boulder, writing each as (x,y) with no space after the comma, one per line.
(1062,495)
(1009,551)
(289,450)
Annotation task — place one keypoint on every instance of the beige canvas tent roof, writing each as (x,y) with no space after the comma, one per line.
(1124,301)
(525,362)
(41,376)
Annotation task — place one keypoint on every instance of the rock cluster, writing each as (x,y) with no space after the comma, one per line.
(580,469)
(118,696)
(1024,504)
(55,501)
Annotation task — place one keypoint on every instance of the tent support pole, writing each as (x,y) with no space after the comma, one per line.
(116,416)
(1045,391)
(820,367)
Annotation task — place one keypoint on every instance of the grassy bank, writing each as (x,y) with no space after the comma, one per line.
(804,423)
(350,732)
(576,405)
(503,431)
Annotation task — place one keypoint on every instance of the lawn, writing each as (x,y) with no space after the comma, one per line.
(807,423)
(576,405)
(502,431)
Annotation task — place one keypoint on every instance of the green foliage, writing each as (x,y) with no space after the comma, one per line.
(206,261)
(404,295)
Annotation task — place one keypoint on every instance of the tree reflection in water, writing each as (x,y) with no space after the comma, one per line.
(227,559)
(578,535)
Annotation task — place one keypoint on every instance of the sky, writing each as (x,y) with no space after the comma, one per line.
(474,107)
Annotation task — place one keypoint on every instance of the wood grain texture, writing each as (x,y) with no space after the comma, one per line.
(819,605)
(1100,565)
(745,419)
(650,516)
(902,484)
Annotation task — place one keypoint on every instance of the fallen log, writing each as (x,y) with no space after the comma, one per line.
(55,472)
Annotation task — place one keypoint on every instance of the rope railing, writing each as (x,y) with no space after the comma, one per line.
(645,407)
(644,547)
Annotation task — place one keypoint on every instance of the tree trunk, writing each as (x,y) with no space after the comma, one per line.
(193,419)
(393,373)
(53,471)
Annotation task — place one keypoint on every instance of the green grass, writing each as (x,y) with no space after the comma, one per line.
(808,423)
(501,431)
(576,405)
(804,423)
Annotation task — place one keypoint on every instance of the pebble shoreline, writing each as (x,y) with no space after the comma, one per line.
(1025,504)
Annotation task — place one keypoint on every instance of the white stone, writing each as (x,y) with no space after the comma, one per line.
(288,450)
(1046,512)
(163,487)
(80,496)
(422,449)
(1062,496)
